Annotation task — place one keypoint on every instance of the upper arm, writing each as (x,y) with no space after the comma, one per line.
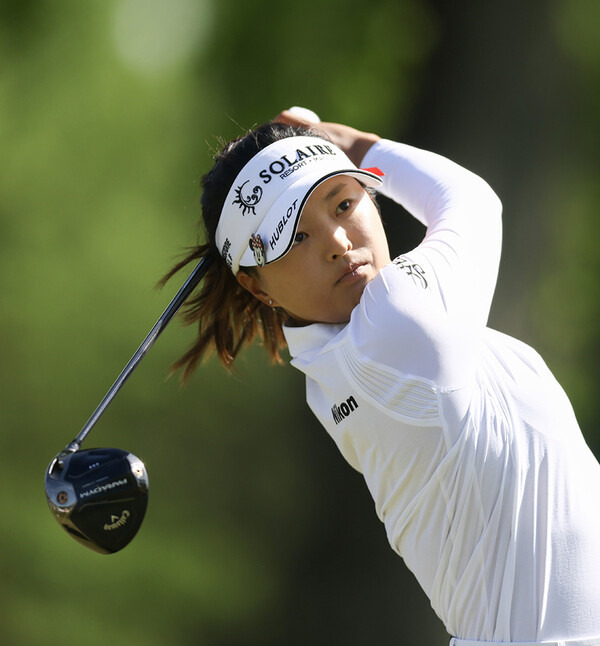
(461,249)
(402,322)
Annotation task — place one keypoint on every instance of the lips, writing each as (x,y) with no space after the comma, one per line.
(354,271)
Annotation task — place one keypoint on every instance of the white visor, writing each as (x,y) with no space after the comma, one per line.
(264,204)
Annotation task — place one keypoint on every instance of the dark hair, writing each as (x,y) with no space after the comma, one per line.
(228,316)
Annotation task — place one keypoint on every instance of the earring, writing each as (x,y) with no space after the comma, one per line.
(270,302)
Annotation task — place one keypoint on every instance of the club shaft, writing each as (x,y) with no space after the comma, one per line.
(172,309)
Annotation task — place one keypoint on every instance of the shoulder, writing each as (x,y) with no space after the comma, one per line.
(404,289)
(402,322)
(395,307)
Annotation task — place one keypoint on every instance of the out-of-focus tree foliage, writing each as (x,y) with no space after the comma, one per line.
(257,532)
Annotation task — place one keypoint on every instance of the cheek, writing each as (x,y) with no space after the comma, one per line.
(379,239)
(300,290)
(283,280)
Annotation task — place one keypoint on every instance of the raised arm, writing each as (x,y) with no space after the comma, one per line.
(462,244)
(462,214)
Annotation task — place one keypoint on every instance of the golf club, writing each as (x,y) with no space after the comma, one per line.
(99,496)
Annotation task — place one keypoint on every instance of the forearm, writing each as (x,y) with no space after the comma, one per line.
(355,143)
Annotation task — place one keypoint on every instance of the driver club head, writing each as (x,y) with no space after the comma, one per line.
(99,496)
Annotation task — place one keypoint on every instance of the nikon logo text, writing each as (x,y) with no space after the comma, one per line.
(341,411)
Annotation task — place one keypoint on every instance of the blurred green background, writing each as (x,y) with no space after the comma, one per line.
(257,531)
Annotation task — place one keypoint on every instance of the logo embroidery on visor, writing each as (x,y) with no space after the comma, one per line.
(258,249)
(225,252)
(248,201)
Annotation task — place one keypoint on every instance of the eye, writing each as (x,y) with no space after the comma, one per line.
(344,205)
(300,237)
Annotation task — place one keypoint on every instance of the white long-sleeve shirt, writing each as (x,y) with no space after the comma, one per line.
(469,446)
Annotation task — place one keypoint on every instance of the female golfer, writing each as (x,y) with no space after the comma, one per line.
(467,443)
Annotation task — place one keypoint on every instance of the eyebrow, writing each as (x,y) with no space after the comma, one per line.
(334,191)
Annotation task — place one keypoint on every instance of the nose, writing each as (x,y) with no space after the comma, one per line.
(339,242)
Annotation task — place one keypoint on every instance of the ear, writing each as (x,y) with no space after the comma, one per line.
(252,284)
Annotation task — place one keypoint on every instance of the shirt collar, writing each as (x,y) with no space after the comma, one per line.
(310,338)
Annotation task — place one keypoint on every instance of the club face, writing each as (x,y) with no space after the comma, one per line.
(99,496)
